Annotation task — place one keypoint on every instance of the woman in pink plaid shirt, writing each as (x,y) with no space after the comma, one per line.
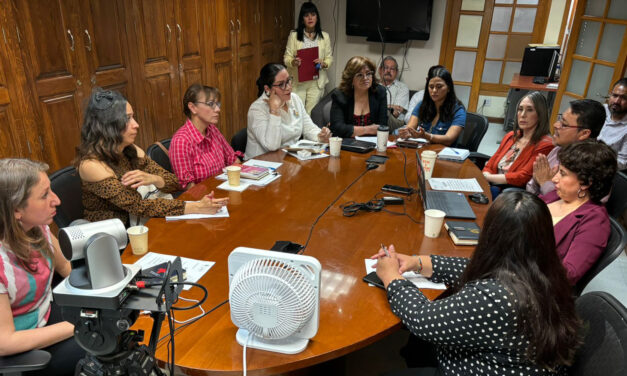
(198,150)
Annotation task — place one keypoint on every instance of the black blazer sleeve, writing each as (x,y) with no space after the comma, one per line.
(342,109)
(379,106)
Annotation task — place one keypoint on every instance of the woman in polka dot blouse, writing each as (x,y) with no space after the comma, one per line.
(507,311)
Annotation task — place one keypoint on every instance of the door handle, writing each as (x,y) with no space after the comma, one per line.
(69,33)
(180,31)
(88,46)
(169,34)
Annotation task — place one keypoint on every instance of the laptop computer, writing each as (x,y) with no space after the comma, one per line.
(357,146)
(454,204)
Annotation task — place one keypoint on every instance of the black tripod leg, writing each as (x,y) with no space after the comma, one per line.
(157,318)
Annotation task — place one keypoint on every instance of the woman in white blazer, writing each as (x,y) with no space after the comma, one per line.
(308,34)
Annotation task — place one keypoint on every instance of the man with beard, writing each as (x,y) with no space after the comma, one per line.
(614,132)
(397,92)
(583,119)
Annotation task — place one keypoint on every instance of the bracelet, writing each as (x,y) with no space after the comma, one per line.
(419,268)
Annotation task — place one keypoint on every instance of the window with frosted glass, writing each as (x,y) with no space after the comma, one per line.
(527,2)
(594,8)
(578,77)
(491,72)
(611,42)
(565,104)
(587,40)
(511,67)
(463,65)
(463,94)
(504,2)
(468,31)
(500,18)
(524,18)
(476,5)
(600,82)
(496,46)
(618,10)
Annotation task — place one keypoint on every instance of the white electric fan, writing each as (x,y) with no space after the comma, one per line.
(275,299)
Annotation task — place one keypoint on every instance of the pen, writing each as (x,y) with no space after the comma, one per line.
(455,151)
(385,249)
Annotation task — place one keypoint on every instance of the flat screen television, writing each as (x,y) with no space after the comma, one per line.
(399,20)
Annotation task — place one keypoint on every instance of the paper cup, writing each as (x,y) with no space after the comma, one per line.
(233,173)
(428,162)
(382,140)
(138,235)
(335,145)
(434,219)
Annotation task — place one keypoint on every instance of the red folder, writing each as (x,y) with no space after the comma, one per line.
(307,70)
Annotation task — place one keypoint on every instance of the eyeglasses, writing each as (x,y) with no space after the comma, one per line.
(212,104)
(284,84)
(560,121)
(364,76)
(391,69)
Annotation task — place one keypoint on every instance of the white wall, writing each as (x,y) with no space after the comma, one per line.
(420,56)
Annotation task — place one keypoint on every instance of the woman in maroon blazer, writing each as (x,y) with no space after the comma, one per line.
(580,221)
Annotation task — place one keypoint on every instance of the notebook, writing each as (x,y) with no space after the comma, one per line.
(357,146)
(454,204)
(463,233)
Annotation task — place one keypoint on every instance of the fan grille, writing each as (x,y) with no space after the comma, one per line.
(271,299)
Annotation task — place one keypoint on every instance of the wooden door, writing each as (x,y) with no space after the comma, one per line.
(50,42)
(105,45)
(286,24)
(153,29)
(269,32)
(223,70)
(247,58)
(191,43)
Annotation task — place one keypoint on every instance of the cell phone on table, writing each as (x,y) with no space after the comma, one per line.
(397,189)
(374,279)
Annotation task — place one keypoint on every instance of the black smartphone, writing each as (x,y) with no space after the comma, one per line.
(374,279)
(397,189)
(378,159)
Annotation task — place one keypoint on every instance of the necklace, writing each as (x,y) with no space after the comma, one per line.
(310,34)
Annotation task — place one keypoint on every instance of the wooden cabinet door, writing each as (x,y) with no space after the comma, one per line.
(285,13)
(50,42)
(269,27)
(105,45)
(191,45)
(247,57)
(153,30)
(223,70)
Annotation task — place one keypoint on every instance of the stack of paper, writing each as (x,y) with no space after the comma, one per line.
(453,154)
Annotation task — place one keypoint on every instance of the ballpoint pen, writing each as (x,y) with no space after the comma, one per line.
(455,151)
(385,249)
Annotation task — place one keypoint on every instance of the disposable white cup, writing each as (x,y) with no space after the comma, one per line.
(428,162)
(335,145)
(382,141)
(233,173)
(434,219)
(138,235)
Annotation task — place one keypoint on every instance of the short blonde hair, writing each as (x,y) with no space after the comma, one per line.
(354,65)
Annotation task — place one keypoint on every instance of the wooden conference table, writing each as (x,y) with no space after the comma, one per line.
(352,314)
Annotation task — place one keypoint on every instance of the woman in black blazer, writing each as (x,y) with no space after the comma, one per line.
(359,103)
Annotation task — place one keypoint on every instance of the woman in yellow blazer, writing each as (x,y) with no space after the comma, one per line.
(308,34)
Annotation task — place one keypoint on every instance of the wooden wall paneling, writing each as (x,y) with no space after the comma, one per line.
(222,50)
(247,31)
(9,129)
(269,32)
(154,39)
(191,46)
(50,42)
(286,24)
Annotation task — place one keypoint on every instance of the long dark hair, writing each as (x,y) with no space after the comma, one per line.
(308,7)
(267,75)
(428,111)
(542,109)
(517,248)
(101,135)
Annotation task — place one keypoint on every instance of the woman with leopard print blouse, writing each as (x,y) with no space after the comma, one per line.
(112,167)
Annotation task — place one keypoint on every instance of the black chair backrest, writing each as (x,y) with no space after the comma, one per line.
(238,142)
(158,155)
(28,361)
(615,246)
(321,113)
(604,350)
(617,203)
(475,128)
(66,183)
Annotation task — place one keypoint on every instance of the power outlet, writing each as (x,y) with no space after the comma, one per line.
(487,102)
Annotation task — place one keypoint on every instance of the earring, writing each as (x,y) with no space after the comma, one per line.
(579,191)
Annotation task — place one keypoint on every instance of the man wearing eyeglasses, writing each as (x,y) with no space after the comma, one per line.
(614,132)
(583,119)
(397,92)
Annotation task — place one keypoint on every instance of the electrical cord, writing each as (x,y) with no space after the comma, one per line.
(196,319)
(369,166)
(351,208)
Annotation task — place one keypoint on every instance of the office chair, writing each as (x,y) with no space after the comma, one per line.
(239,140)
(159,153)
(321,113)
(66,183)
(475,128)
(615,246)
(605,342)
(14,365)
(617,203)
